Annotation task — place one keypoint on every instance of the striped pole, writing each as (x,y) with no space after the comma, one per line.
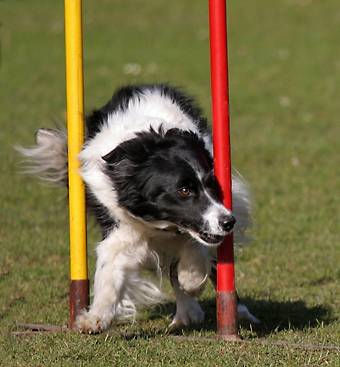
(75,128)
(226,297)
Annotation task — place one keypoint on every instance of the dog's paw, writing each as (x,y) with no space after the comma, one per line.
(244,314)
(89,323)
(187,313)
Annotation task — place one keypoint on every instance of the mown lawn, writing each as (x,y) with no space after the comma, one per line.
(284,80)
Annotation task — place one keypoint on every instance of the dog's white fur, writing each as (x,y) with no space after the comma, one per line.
(119,288)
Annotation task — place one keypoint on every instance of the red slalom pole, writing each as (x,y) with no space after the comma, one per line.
(226,297)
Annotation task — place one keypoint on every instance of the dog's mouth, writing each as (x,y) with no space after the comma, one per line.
(211,239)
(206,238)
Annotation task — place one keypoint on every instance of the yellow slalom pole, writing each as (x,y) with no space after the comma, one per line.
(75,128)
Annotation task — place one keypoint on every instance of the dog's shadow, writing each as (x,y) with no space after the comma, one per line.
(275,316)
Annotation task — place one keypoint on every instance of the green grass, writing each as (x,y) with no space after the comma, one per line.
(284,80)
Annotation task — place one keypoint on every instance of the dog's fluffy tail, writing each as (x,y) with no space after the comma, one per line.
(241,208)
(47,160)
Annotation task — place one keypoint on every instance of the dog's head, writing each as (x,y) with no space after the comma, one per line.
(166,179)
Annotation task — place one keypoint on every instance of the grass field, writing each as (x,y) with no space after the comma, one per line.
(284,80)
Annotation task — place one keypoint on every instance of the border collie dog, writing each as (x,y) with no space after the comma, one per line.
(148,170)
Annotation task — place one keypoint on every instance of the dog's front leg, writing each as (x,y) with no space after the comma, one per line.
(114,264)
(107,294)
(188,277)
(188,310)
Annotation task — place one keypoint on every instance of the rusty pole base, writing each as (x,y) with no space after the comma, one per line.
(226,310)
(79,299)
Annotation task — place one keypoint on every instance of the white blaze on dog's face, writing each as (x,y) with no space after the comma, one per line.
(217,222)
(168,178)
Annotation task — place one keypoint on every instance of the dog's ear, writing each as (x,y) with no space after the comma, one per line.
(133,150)
(114,156)
(136,150)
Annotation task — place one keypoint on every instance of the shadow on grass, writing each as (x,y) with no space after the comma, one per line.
(287,315)
(275,316)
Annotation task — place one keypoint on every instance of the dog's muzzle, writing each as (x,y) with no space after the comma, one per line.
(226,224)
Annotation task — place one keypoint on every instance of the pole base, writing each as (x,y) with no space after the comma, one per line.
(79,299)
(229,338)
(226,310)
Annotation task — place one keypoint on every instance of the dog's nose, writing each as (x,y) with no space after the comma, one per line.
(227,223)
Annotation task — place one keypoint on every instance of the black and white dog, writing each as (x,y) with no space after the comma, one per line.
(148,169)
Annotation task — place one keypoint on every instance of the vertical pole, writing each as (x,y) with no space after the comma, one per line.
(75,127)
(226,298)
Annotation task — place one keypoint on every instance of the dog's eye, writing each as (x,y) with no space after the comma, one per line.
(184,192)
